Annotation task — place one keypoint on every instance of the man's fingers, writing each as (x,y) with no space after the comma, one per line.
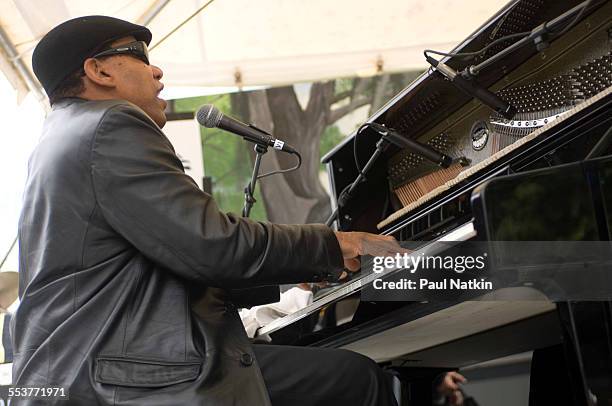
(456,398)
(450,382)
(450,385)
(457,377)
(354,244)
(382,247)
(352,264)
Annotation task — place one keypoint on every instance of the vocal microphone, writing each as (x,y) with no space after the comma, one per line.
(210,117)
(472,89)
(418,148)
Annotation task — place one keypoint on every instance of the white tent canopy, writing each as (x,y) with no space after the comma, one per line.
(263,42)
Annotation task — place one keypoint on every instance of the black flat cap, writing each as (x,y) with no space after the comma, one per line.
(64,49)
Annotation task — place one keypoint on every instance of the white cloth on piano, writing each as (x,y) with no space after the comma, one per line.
(258,316)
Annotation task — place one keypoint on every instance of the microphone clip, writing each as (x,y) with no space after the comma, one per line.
(260,147)
(424,150)
(464,81)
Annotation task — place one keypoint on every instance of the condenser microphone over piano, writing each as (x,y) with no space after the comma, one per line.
(471,88)
(418,148)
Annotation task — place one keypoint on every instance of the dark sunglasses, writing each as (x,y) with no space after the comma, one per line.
(137,49)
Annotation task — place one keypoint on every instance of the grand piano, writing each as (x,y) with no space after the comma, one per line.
(560,83)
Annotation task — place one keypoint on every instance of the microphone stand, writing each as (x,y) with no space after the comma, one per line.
(538,35)
(258,295)
(382,144)
(249,190)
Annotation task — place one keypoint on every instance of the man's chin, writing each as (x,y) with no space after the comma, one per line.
(158,113)
(162,115)
(161,121)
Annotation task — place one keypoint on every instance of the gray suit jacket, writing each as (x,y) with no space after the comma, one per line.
(125,266)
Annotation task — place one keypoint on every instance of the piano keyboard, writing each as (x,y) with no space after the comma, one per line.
(462,233)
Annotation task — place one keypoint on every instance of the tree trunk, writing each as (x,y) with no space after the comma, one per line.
(298,196)
(283,203)
(303,129)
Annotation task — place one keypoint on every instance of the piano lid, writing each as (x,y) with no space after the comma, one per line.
(430,97)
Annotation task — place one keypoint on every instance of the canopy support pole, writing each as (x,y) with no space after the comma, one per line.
(20,69)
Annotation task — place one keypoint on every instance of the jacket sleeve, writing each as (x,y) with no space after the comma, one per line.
(144,194)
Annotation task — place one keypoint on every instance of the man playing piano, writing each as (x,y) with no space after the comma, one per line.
(125,264)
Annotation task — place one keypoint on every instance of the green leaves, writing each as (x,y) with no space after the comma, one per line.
(226,158)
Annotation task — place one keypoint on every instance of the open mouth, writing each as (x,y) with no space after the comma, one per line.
(164,102)
(158,95)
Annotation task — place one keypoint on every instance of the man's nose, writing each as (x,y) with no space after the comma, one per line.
(157,72)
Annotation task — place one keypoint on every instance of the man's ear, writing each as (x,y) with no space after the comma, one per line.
(97,72)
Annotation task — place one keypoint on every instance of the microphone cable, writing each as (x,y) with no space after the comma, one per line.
(472,55)
(277,171)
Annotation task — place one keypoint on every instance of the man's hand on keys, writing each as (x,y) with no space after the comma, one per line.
(354,244)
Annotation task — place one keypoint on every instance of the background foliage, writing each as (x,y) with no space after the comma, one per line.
(228,159)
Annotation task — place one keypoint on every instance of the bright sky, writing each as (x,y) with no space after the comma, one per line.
(20,127)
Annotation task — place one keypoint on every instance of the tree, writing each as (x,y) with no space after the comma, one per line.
(299,197)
